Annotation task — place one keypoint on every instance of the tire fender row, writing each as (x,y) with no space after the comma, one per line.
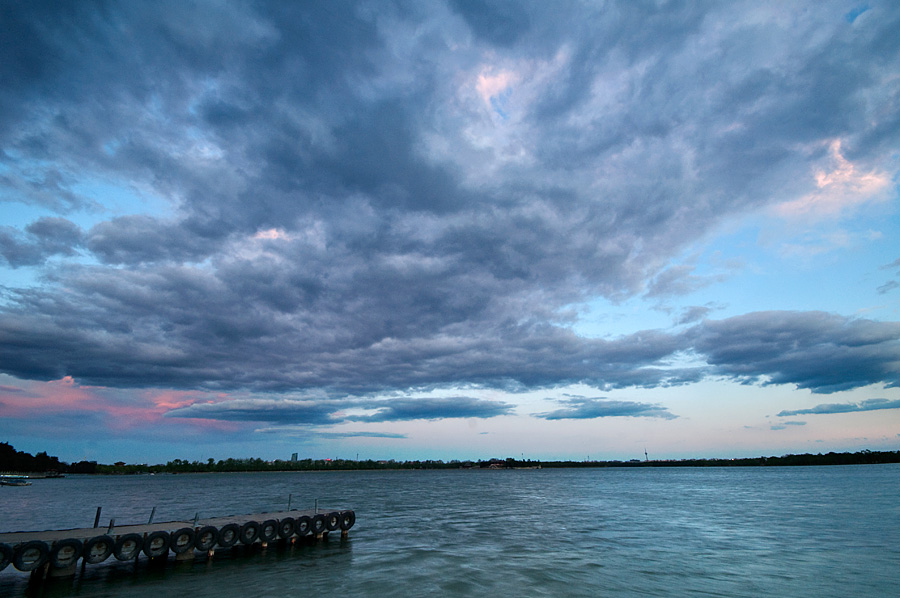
(33,554)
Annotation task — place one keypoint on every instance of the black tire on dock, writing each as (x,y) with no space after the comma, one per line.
(318,524)
(333,521)
(6,555)
(128,546)
(182,540)
(206,538)
(303,525)
(98,549)
(348,518)
(268,531)
(30,555)
(228,535)
(249,532)
(157,544)
(286,527)
(65,553)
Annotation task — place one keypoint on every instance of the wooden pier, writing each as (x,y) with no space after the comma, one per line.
(56,553)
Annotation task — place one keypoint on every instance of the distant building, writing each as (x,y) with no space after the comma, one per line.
(294,458)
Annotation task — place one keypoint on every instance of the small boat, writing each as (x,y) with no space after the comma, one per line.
(14,480)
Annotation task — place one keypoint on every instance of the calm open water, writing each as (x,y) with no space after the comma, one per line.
(797,531)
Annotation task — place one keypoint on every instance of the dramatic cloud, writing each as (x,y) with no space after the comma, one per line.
(115,341)
(43,238)
(592,408)
(828,408)
(301,411)
(371,199)
(819,351)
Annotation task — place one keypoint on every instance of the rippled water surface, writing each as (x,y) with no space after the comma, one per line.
(797,531)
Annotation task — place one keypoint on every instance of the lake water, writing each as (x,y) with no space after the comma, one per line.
(792,531)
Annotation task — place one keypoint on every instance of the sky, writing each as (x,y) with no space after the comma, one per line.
(449,230)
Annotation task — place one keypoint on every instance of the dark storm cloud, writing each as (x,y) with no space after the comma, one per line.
(304,104)
(42,239)
(263,410)
(180,326)
(141,239)
(815,350)
(351,213)
(49,189)
(593,408)
(828,408)
(499,22)
(322,412)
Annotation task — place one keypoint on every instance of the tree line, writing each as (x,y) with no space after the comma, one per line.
(13,461)
(865,457)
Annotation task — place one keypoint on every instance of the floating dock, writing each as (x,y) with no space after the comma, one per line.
(56,553)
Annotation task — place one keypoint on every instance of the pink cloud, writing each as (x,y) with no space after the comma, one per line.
(491,85)
(840,187)
(271,234)
(121,409)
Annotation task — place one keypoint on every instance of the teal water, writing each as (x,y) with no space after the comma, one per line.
(793,531)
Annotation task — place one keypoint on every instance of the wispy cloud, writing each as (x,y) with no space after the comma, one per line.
(317,412)
(786,425)
(830,408)
(599,407)
(888,287)
(426,408)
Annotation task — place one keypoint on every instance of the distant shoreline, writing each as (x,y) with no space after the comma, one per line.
(12,461)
